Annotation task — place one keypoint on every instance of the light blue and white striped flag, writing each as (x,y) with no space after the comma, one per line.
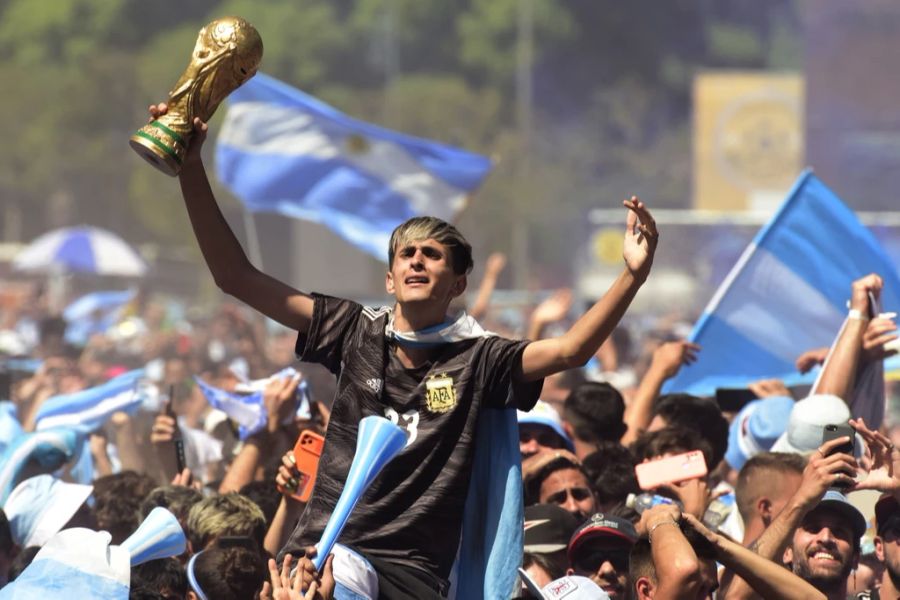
(787,293)
(245,406)
(47,450)
(89,409)
(281,150)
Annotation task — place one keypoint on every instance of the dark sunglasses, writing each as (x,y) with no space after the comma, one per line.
(590,560)
(578,493)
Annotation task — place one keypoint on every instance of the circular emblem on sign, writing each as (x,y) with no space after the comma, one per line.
(758,141)
(606,245)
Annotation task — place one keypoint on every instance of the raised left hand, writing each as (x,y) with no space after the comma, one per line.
(641,237)
(884,474)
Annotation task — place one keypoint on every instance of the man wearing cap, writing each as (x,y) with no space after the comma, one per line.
(599,551)
(825,547)
(541,429)
(887,549)
(548,528)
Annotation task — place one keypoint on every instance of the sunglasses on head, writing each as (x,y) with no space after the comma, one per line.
(590,560)
(578,493)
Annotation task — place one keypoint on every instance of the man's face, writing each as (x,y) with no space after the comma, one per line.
(887,550)
(534,438)
(823,550)
(604,560)
(569,489)
(422,271)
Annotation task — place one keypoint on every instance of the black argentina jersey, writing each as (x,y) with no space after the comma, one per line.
(412,513)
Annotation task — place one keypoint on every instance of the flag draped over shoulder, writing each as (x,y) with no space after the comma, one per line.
(283,151)
(787,294)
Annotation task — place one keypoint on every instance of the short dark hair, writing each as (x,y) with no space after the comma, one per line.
(700,414)
(640,560)
(178,499)
(610,471)
(230,573)
(670,440)
(545,562)
(265,495)
(164,574)
(595,411)
(533,484)
(117,499)
(781,462)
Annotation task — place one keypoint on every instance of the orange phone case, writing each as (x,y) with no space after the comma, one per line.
(671,469)
(307,451)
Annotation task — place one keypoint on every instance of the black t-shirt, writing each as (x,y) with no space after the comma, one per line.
(412,513)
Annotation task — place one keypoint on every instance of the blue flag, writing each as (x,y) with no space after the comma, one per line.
(787,294)
(89,409)
(283,151)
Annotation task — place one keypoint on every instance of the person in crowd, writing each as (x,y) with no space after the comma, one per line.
(667,360)
(610,471)
(557,477)
(755,429)
(764,486)
(593,413)
(548,528)
(698,414)
(431,384)
(693,493)
(541,429)
(117,500)
(7,548)
(599,550)
(224,515)
(164,575)
(887,548)
(178,499)
(230,569)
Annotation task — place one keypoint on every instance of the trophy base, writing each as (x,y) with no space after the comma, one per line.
(155,155)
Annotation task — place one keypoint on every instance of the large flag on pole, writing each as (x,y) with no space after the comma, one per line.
(283,151)
(786,294)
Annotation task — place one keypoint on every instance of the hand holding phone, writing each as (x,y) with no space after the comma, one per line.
(306,454)
(836,431)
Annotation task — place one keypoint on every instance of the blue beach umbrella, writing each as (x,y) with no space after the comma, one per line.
(81,249)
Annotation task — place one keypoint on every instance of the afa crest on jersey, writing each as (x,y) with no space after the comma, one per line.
(440,396)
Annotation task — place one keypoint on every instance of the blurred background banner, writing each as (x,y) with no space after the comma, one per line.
(285,152)
(787,294)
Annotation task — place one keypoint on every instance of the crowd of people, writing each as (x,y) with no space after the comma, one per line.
(627,492)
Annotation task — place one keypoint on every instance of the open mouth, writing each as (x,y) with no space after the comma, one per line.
(416,280)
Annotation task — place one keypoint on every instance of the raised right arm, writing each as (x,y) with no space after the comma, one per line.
(229,265)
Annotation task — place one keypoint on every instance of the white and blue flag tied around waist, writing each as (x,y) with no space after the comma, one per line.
(89,409)
(787,293)
(281,150)
(245,406)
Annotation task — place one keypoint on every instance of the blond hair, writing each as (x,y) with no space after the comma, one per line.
(227,514)
(423,228)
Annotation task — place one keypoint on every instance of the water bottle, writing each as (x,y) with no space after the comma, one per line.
(641,502)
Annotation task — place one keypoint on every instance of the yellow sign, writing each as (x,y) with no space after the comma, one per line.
(748,139)
(439,394)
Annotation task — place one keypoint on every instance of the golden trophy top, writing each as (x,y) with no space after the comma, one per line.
(227,53)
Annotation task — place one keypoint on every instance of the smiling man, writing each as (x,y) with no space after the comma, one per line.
(825,547)
(429,372)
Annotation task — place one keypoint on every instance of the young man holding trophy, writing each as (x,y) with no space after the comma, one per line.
(429,373)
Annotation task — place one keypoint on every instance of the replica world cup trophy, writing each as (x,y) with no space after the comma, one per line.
(227,53)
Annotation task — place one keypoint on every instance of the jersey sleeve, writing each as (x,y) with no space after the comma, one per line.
(333,321)
(501,375)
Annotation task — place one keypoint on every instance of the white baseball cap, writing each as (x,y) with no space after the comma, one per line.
(808,417)
(40,506)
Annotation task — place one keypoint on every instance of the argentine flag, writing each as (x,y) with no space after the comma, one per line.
(245,405)
(283,151)
(89,409)
(787,293)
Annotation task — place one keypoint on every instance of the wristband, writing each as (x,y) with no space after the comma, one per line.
(855,313)
(660,524)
